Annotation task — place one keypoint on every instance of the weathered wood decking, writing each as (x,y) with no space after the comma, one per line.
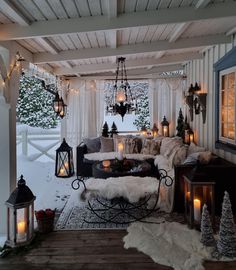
(88,249)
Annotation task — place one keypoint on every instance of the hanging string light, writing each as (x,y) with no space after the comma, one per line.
(122,100)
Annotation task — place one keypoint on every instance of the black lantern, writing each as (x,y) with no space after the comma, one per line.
(122,101)
(57,104)
(165,127)
(198,190)
(189,136)
(20,215)
(63,111)
(64,161)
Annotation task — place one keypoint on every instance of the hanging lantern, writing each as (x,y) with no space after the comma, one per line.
(20,215)
(189,136)
(198,190)
(64,161)
(63,111)
(165,127)
(57,104)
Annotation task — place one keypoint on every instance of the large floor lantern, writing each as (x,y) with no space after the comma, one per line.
(20,215)
(64,160)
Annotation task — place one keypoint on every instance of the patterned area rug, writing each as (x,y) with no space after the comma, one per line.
(110,214)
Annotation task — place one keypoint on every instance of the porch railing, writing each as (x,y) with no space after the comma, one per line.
(35,140)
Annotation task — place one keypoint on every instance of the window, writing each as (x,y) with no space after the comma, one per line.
(225,72)
(227,105)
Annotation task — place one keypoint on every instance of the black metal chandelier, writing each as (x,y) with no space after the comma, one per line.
(122,100)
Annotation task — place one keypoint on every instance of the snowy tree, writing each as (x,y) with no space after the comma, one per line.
(226,243)
(207,237)
(143,114)
(180,125)
(34,106)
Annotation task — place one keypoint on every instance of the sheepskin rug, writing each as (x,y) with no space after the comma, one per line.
(169,243)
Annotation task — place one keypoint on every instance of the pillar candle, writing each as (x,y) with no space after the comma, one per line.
(197,210)
(120,151)
(21,228)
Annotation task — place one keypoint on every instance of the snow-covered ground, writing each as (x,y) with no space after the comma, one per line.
(50,191)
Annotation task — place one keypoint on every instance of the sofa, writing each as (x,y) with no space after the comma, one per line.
(176,155)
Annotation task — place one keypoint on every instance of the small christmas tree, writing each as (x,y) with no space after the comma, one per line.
(113,129)
(226,243)
(180,125)
(105,130)
(207,237)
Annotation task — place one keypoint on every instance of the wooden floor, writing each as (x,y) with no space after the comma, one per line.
(92,249)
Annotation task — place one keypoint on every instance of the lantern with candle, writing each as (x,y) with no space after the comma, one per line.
(20,215)
(198,190)
(155,130)
(143,131)
(64,161)
(188,136)
(165,127)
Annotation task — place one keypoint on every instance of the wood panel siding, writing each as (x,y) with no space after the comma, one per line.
(201,71)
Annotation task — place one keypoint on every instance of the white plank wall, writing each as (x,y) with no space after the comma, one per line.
(201,71)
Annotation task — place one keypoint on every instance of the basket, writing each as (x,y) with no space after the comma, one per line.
(45,224)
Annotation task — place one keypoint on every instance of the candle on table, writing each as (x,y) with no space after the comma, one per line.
(21,226)
(106,163)
(197,209)
(120,151)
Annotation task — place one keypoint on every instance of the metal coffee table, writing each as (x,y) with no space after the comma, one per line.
(119,168)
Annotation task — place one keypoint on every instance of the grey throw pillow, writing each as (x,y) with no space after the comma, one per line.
(107,144)
(93,144)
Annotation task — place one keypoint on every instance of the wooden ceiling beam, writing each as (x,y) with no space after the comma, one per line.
(124,20)
(148,62)
(40,58)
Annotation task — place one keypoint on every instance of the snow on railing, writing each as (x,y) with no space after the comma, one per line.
(37,139)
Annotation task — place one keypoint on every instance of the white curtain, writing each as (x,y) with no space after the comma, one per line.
(165,99)
(85,111)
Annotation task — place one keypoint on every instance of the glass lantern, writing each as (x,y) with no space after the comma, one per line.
(63,110)
(188,136)
(198,190)
(57,104)
(64,161)
(155,130)
(165,127)
(20,215)
(143,131)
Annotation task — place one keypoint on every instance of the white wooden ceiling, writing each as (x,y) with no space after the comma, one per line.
(84,37)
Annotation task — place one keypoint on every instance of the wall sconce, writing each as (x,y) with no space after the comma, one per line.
(165,127)
(196,101)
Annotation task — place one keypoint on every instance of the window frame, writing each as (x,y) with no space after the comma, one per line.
(222,67)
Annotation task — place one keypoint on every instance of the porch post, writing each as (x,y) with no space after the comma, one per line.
(8,99)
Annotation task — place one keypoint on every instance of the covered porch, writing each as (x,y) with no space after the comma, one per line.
(169,45)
